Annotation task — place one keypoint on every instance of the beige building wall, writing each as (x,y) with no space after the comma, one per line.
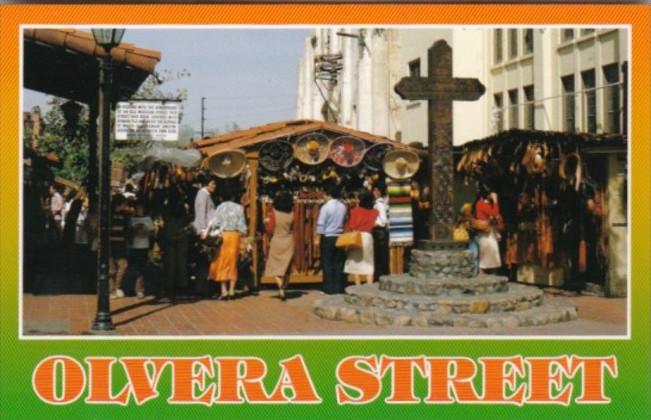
(557,54)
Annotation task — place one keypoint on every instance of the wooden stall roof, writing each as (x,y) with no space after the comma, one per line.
(586,139)
(64,63)
(247,138)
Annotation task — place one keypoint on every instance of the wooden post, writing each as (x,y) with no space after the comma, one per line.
(253,214)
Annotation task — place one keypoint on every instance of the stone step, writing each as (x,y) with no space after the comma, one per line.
(517,298)
(443,286)
(441,263)
(552,310)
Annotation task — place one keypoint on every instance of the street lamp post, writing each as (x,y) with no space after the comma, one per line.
(107,39)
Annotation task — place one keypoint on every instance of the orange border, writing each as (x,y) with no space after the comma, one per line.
(326,14)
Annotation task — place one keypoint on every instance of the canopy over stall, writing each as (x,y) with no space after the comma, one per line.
(64,63)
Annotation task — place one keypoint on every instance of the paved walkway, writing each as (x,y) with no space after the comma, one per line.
(267,315)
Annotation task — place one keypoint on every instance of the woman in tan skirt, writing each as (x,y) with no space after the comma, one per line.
(281,250)
(230,220)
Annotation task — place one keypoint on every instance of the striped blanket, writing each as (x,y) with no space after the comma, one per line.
(401,223)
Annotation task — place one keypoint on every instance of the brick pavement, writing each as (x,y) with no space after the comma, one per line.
(267,315)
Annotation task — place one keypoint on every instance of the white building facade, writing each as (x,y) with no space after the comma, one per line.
(559,79)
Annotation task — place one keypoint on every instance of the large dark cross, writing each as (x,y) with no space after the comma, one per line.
(440,89)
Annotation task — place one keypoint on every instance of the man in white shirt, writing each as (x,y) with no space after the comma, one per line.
(204,207)
(204,210)
(381,232)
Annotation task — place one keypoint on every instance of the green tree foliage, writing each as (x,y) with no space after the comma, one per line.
(70,147)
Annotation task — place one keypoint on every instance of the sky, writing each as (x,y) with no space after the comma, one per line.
(248,76)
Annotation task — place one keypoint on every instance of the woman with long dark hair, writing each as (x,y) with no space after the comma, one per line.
(281,251)
(487,213)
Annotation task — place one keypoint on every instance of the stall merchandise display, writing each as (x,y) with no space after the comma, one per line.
(401,225)
(552,195)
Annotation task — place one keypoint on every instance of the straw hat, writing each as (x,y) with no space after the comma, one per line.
(226,164)
(401,164)
(375,154)
(312,149)
(347,151)
(276,155)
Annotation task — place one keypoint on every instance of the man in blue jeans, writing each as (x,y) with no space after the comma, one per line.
(330,225)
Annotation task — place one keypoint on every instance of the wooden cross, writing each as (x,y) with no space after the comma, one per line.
(440,88)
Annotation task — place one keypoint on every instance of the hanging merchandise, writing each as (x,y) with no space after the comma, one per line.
(375,155)
(226,164)
(548,185)
(347,151)
(401,225)
(401,164)
(276,156)
(312,149)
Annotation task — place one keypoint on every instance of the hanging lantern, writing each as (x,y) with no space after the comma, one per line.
(71,112)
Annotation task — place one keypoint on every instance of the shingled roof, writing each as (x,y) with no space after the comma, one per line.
(244,139)
(64,63)
(517,135)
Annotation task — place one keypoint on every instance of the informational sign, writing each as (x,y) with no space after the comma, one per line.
(147,121)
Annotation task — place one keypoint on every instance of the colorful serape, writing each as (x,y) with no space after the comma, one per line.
(401,222)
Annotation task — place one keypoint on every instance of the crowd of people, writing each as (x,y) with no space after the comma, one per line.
(195,242)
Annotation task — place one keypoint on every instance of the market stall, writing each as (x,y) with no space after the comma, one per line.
(302,157)
(563,200)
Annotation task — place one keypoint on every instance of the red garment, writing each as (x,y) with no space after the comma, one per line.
(271,224)
(484,210)
(362,219)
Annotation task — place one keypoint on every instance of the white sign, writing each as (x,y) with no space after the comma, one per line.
(147,120)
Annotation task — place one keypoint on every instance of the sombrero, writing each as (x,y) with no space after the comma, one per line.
(375,154)
(347,151)
(227,163)
(276,155)
(401,164)
(312,149)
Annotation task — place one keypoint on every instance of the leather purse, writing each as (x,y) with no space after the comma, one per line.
(349,240)
(460,234)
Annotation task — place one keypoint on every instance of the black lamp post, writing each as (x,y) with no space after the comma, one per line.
(107,39)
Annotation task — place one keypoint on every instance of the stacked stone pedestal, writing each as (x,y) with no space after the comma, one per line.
(440,290)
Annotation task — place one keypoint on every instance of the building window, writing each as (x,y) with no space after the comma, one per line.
(528,41)
(612,99)
(586,31)
(513,43)
(498,111)
(414,68)
(513,108)
(568,103)
(497,46)
(590,100)
(528,107)
(568,35)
